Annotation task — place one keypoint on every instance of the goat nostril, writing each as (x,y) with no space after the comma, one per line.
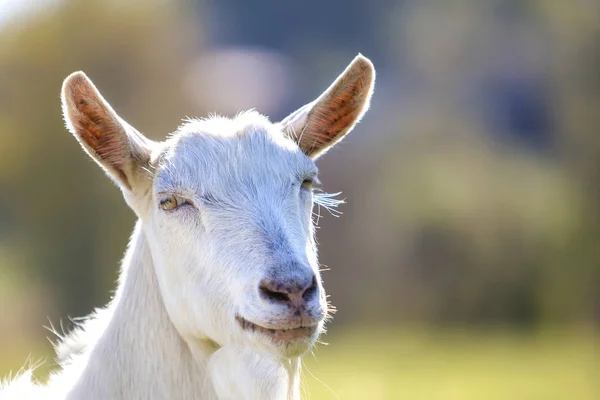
(270,294)
(311,290)
(292,291)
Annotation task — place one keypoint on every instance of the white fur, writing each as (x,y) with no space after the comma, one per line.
(171,330)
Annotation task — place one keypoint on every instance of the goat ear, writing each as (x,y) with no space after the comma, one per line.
(319,125)
(116,146)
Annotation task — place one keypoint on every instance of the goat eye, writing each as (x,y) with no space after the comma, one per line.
(169,203)
(307,184)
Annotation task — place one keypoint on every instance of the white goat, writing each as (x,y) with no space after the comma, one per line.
(219,294)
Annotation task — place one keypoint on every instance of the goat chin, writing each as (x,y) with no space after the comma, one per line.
(239,372)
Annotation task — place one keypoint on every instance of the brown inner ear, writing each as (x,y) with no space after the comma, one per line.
(335,114)
(104,137)
(99,130)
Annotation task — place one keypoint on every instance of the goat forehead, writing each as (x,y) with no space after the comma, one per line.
(255,153)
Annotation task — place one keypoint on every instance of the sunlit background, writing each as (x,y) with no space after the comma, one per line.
(466,264)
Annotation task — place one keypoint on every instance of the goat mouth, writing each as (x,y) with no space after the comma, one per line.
(279,335)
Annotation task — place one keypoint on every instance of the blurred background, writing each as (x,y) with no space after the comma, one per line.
(466,264)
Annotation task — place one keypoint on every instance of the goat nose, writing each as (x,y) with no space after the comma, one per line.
(291,291)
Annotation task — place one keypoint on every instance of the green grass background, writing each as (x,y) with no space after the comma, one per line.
(455,365)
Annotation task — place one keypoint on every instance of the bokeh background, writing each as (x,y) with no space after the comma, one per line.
(466,264)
